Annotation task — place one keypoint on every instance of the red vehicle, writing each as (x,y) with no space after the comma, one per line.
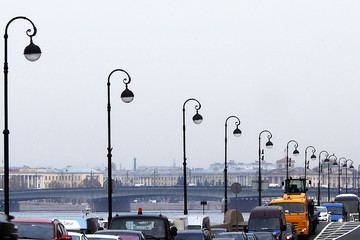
(37,228)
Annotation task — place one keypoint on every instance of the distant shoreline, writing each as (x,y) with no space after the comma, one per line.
(192,205)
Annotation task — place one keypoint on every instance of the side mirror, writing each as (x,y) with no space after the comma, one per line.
(310,182)
(173,231)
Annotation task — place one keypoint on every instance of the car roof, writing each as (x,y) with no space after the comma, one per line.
(92,236)
(34,220)
(190,231)
(118,231)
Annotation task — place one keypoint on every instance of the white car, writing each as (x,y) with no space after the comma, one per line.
(77,236)
(323,213)
(102,237)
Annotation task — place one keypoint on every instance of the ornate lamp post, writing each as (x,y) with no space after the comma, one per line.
(237,133)
(358,181)
(295,152)
(197,119)
(319,182)
(127,96)
(328,160)
(313,157)
(32,53)
(268,144)
(346,167)
(339,173)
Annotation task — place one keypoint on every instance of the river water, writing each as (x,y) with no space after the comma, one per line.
(216,217)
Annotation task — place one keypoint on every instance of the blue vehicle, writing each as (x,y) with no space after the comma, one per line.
(337,211)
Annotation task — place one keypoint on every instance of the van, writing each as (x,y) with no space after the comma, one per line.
(268,219)
(199,222)
(337,211)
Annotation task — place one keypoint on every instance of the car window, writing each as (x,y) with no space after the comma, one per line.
(35,230)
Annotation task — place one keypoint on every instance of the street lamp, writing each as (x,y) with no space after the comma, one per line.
(237,133)
(346,167)
(358,181)
(197,119)
(268,144)
(127,96)
(319,182)
(295,152)
(32,53)
(328,160)
(313,157)
(339,173)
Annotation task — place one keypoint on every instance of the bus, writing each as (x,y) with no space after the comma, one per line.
(352,205)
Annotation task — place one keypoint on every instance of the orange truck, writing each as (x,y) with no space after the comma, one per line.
(298,209)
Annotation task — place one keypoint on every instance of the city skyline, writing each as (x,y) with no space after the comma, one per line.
(288,67)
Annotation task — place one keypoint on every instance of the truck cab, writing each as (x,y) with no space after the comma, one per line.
(153,226)
(268,219)
(298,209)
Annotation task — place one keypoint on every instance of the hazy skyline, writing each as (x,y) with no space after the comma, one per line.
(288,67)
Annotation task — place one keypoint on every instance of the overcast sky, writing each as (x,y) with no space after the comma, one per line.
(291,67)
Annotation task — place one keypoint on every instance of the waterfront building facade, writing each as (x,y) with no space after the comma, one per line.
(244,173)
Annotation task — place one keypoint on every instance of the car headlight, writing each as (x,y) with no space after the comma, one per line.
(340,220)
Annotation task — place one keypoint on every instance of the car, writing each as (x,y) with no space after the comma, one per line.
(193,235)
(102,237)
(216,231)
(7,228)
(291,233)
(124,234)
(77,236)
(251,236)
(38,228)
(235,235)
(264,236)
(324,215)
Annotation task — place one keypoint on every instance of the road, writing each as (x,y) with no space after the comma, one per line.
(341,231)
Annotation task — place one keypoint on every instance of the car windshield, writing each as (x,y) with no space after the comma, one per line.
(264,224)
(149,226)
(321,209)
(335,210)
(35,230)
(291,207)
(232,235)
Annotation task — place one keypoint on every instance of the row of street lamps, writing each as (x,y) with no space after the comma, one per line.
(33,53)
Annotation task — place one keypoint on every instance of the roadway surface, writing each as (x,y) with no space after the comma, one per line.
(341,231)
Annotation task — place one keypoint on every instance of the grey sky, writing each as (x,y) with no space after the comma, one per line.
(287,66)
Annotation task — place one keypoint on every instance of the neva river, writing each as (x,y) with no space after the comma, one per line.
(216,217)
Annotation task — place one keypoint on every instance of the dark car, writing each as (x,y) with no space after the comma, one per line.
(251,236)
(235,235)
(193,235)
(264,236)
(37,228)
(7,229)
(124,234)
(291,233)
(216,231)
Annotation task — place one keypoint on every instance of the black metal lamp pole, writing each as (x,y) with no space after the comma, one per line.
(319,182)
(346,167)
(32,53)
(339,173)
(197,119)
(329,171)
(237,133)
(313,157)
(268,144)
(295,152)
(358,179)
(127,96)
